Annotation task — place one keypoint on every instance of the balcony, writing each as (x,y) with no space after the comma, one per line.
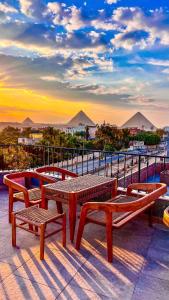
(140,269)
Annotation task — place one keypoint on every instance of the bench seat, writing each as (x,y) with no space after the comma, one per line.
(117,211)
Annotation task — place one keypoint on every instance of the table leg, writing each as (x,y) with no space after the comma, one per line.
(59,207)
(72,215)
(44,202)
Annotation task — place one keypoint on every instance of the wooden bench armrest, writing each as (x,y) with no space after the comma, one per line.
(146,187)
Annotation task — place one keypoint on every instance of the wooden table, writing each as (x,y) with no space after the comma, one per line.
(77,190)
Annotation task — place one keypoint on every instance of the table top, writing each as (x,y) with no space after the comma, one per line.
(78,184)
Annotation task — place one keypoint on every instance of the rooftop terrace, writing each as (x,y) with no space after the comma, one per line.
(140,269)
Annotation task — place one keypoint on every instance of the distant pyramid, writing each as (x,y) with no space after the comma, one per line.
(27,121)
(80,119)
(139,121)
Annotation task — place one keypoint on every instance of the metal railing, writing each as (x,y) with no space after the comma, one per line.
(127,167)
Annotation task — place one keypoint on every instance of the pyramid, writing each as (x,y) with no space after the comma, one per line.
(80,119)
(27,121)
(139,121)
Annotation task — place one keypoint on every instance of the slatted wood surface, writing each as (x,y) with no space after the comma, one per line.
(101,216)
(37,215)
(34,195)
(79,184)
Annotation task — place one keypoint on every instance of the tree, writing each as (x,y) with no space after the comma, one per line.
(126,137)
(87,134)
(160,132)
(149,138)
(111,137)
(16,158)
(9,135)
(26,132)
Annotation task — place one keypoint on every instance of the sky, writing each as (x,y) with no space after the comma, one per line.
(109,58)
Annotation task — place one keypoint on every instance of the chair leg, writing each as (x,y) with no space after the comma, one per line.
(82,223)
(42,241)
(109,236)
(44,202)
(64,230)
(13,230)
(10,209)
(36,230)
(59,207)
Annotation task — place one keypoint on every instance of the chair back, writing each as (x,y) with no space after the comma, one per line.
(51,170)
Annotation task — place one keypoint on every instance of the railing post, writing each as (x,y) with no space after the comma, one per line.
(139,168)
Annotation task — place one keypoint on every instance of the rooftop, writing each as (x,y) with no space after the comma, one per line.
(140,269)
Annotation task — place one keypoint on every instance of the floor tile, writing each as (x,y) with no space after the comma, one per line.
(15,287)
(115,280)
(6,270)
(151,288)
(156,268)
(76,293)
(55,271)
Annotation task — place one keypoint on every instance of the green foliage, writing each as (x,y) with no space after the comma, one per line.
(80,134)
(109,137)
(87,135)
(9,135)
(89,144)
(15,158)
(26,132)
(149,138)
(55,137)
(160,132)
(109,147)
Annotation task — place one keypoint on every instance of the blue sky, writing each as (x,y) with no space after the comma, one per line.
(109,58)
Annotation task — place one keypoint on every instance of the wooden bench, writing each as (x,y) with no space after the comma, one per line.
(119,210)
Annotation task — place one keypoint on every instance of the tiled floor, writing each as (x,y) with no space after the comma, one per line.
(140,269)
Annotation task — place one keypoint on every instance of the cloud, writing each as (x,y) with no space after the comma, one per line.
(166,71)
(50,78)
(43,39)
(111,1)
(152,28)
(130,40)
(32,8)
(158,62)
(6,8)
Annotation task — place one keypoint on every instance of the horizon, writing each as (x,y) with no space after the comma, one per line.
(67,123)
(109,59)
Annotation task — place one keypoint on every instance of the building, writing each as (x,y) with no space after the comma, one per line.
(92,132)
(139,122)
(31,140)
(137,145)
(72,130)
(26,141)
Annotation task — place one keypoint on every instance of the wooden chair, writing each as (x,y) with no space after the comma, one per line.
(119,210)
(51,171)
(20,188)
(35,220)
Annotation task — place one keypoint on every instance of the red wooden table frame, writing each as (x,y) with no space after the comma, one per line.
(77,190)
